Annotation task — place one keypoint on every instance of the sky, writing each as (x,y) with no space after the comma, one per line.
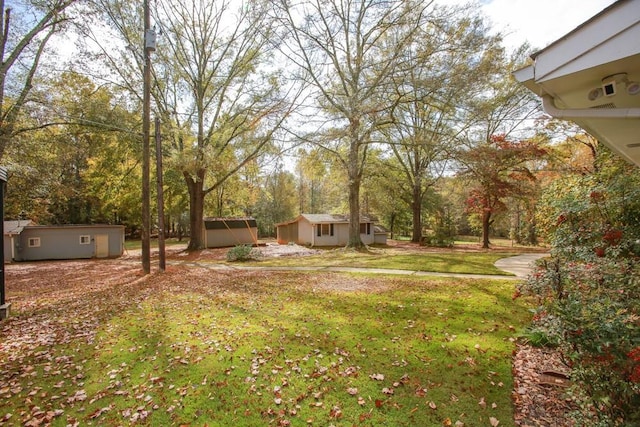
(540,22)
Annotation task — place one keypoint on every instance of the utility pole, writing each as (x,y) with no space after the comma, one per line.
(161,250)
(4,306)
(149,46)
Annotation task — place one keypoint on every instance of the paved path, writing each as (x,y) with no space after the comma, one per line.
(519,265)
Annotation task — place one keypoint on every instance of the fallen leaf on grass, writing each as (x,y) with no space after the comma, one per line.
(482,403)
(377,377)
(335,413)
(494,422)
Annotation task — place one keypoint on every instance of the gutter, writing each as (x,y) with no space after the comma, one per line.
(550,108)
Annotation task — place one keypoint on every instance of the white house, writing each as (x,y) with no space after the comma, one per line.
(592,76)
(323,230)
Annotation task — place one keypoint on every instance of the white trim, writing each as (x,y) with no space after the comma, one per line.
(33,242)
(85,239)
(550,108)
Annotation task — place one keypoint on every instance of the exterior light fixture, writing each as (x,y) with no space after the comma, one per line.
(595,94)
(609,83)
(633,88)
(610,86)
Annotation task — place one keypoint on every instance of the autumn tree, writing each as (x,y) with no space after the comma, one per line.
(347,54)
(277,201)
(448,65)
(496,170)
(216,87)
(75,167)
(311,172)
(25,32)
(384,196)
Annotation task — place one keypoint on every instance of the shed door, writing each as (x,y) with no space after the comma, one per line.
(102,245)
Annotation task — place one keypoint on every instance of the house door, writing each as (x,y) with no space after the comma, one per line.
(102,245)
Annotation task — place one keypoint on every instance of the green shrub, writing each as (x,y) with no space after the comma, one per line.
(589,292)
(243,253)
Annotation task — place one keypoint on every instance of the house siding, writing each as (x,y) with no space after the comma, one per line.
(305,233)
(8,244)
(287,233)
(328,240)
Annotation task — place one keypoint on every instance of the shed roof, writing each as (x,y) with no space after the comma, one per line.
(229,223)
(329,219)
(16,227)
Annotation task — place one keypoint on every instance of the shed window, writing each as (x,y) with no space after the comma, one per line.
(325,230)
(34,242)
(85,240)
(365,228)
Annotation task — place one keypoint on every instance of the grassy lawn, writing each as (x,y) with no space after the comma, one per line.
(443,261)
(130,244)
(197,347)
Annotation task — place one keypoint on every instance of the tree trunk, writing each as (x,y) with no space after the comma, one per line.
(196,210)
(354,192)
(486,223)
(354,215)
(416,207)
(6,135)
(392,223)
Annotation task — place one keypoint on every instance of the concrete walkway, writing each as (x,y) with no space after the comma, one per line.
(520,265)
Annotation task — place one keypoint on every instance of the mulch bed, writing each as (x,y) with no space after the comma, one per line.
(540,385)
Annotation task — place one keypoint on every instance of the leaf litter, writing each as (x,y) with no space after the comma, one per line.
(61,306)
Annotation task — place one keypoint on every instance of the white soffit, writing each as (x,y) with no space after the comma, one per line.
(609,36)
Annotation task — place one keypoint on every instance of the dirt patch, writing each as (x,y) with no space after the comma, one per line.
(344,283)
(270,249)
(274,250)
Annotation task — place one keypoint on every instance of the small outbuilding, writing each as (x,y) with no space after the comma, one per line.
(323,230)
(380,235)
(225,232)
(25,241)
(12,231)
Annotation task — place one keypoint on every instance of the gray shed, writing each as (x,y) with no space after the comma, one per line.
(12,230)
(41,242)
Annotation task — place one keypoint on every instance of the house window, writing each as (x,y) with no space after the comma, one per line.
(325,230)
(365,228)
(85,240)
(34,242)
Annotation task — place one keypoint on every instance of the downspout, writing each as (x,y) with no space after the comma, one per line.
(550,108)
